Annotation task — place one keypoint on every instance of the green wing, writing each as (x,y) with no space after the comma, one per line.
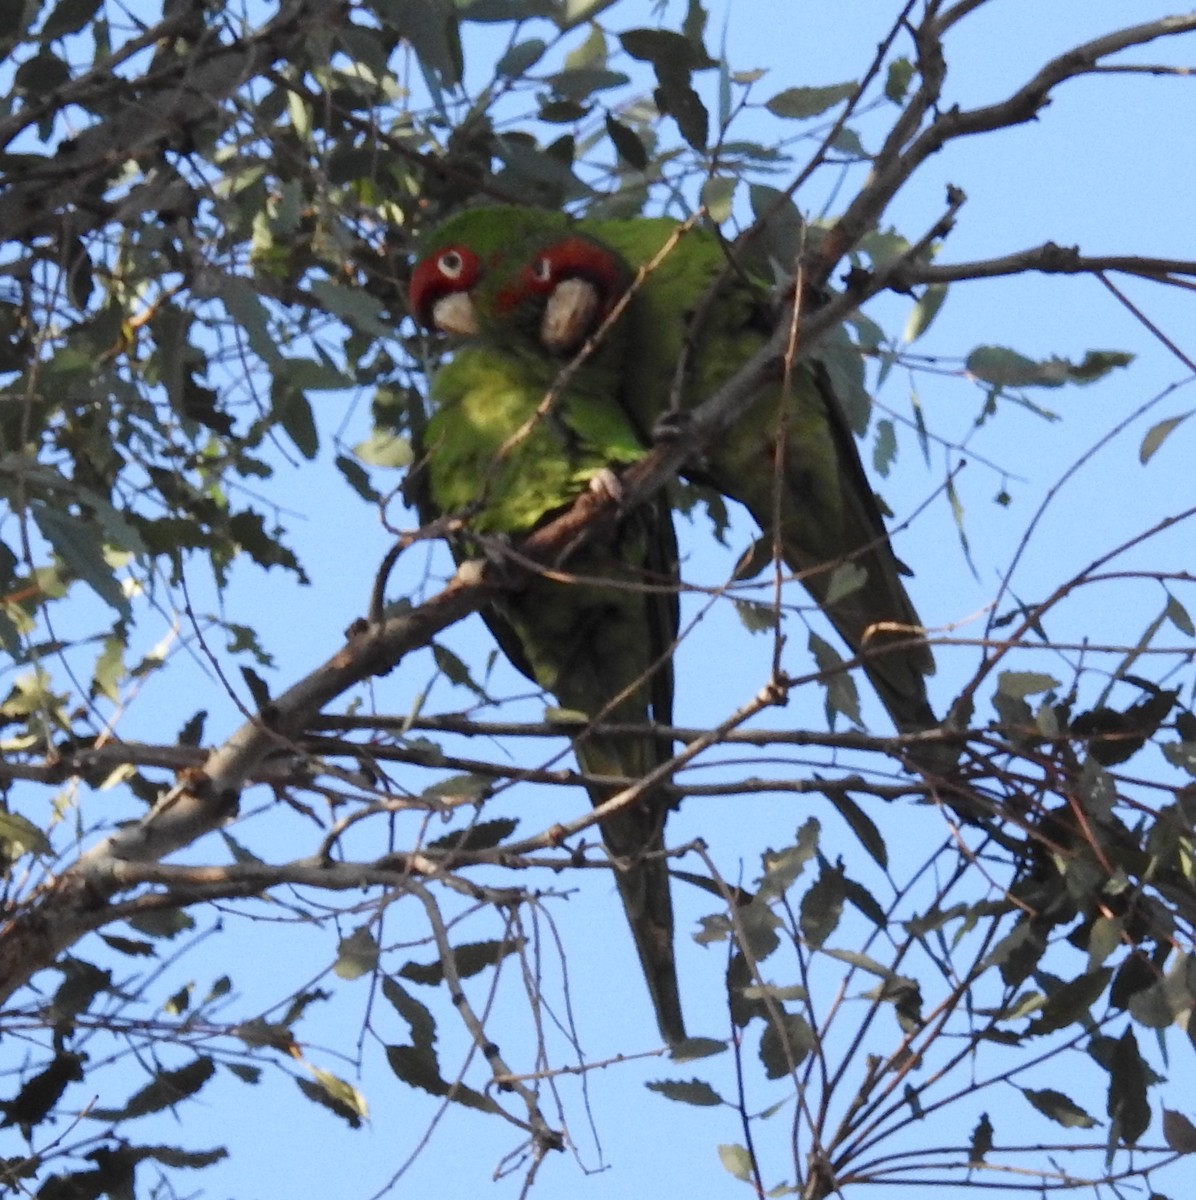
(828,513)
(600,637)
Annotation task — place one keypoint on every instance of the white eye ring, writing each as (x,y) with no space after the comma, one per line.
(451,264)
(542,271)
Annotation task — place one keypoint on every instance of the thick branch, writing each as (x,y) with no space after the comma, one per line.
(1050,259)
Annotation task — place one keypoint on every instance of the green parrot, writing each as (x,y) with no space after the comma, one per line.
(598,636)
(817,501)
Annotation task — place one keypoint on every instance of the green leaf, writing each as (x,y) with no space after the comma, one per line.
(578,83)
(783,231)
(41,74)
(677,99)
(246,308)
(782,867)
(358,478)
(419,1067)
(484,835)
(1096,364)
(357,954)
(309,375)
(1020,684)
(109,669)
(520,58)
(430,26)
(627,143)
(1059,1108)
(696,1092)
(1151,1006)
(846,579)
(884,449)
(695,1048)
(385,449)
(842,695)
(471,959)
(799,103)
(172,1156)
(40,1094)
(191,733)
(861,825)
(21,836)
(166,1090)
(756,617)
(865,902)
(79,545)
(1178,1132)
(419,1019)
(238,851)
(1069,1003)
(1007,368)
(591,52)
(455,669)
(1097,789)
(922,315)
(736,1161)
(1178,616)
(784,1044)
(577,11)
(1156,435)
(293,412)
(1127,1104)
(1181,754)
(897,78)
(166,923)
(665,50)
(982,1140)
(463,787)
(822,906)
(718,195)
(335,1095)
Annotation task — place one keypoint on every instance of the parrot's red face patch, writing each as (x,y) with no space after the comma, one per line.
(572,257)
(453,269)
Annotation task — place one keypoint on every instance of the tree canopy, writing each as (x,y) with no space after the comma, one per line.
(238,880)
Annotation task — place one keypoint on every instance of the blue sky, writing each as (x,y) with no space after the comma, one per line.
(1107,166)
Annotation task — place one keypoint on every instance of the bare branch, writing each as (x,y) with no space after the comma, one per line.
(897,161)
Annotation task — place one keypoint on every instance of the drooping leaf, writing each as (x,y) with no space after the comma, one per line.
(1178,1132)
(785,1043)
(736,1161)
(1062,1110)
(418,1017)
(897,79)
(1127,1103)
(1020,684)
(470,959)
(696,1092)
(822,905)
(81,547)
(1157,434)
(982,1140)
(357,954)
(800,103)
(166,1090)
(419,1067)
(627,143)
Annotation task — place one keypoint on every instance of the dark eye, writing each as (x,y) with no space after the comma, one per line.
(451,264)
(542,270)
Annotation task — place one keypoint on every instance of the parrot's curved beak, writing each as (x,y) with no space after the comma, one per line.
(454,313)
(569,315)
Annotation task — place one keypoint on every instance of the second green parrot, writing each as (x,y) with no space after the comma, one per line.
(599,634)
